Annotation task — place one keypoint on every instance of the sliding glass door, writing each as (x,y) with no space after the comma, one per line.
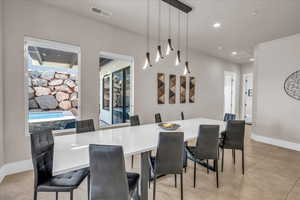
(120,95)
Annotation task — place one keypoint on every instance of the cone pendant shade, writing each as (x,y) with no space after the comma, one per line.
(169,47)
(147,61)
(158,54)
(186,68)
(178,59)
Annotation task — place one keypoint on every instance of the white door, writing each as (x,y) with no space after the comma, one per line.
(229,92)
(247,97)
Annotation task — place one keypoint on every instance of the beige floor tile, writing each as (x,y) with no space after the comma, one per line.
(271,173)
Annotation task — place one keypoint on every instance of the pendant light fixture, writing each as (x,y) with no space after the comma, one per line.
(159,53)
(148,60)
(170,47)
(178,59)
(186,66)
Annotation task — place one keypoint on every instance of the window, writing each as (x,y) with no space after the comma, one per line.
(52,85)
(106,92)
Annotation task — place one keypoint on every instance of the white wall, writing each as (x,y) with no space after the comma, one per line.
(28,18)
(276,114)
(1,87)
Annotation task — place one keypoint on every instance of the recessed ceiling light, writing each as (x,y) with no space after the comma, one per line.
(217,25)
(255,12)
(251,59)
(234,53)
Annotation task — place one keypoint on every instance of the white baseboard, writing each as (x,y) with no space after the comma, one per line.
(15,167)
(276,142)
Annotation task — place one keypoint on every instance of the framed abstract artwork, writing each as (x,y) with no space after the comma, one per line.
(182,89)
(160,88)
(192,90)
(172,89)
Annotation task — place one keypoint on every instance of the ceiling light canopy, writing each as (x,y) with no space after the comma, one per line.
(234,53)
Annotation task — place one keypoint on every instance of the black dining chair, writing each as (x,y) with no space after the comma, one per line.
(42,148)
(182,115)
(109,179)
(158,118)
(134,121)
(206,148)
(169,158)
(229,116)
(233,138)
(83,126)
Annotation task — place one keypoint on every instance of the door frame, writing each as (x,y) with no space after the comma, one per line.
(234,96)
(244,95)
(114,56)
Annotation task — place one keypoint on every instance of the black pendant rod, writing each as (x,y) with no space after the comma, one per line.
(179,5)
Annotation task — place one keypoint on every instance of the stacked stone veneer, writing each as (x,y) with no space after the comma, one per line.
(52,91)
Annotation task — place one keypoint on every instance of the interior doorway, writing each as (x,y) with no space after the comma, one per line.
(230,92)
(247,97)
(116,99)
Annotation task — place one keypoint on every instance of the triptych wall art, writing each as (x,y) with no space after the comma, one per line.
(172,89)
(182,89)
(161,87)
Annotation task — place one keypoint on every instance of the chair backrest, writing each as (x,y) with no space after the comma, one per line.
(107,171)
(42,148)
(83,126)
(235,134)
(169,157)
(158,118)
(134,120)
(207,142)
(229,116)
(182,116)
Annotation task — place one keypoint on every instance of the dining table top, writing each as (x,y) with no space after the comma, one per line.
(71,151)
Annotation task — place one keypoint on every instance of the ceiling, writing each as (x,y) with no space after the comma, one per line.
(244,23)
(52,55)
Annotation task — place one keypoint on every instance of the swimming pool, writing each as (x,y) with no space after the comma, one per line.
(45,115)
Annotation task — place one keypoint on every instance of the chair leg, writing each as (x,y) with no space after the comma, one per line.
(207,163)
(181,186)
(56,195)
(222,159)
(218,153)
(243,161)
(233,155)
(195,174)
(132,161)
(217,172)
(175,178)
(88,185)
(185,170)
(137,195)
(71,195)
(35,194)
(154,186)
(149,178)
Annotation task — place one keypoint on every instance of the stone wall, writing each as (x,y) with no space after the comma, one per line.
(52,91)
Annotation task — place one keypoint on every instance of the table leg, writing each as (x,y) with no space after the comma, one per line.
(144,174)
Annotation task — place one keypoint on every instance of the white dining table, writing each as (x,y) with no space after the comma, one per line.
(71,151)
